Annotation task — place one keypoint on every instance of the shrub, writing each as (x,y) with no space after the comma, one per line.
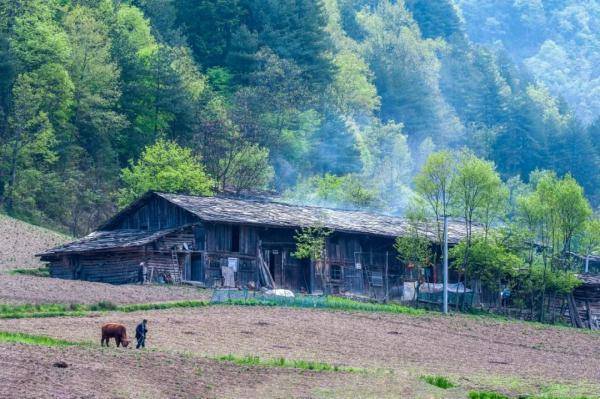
(33,339)
(251,360)
(103,305)
(486,395)
(39,272)
(438,381)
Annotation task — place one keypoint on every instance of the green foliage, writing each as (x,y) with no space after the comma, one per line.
(475,188)
(103,306)
(590,237)
(310,243)
(438,381)
(310,365)
(77,310)
(406,71)
(486,395)
(555,212)
(487,260)
(414,250)
(328,302)
(353,89)
(495,395)
(28,339)
(39,272)
(246,169)
(165,166)
(433,183)
(347,191)
(338,101)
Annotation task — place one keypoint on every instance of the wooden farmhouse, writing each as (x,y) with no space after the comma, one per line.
(220,241)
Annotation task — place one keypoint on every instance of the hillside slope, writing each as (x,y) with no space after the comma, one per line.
(20,241)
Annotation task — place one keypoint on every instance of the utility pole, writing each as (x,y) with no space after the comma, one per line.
(445,300)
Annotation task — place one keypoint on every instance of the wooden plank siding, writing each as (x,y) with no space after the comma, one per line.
(104,267)
(155,214)
(204,245)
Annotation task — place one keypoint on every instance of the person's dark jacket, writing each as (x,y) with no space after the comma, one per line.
(140,331)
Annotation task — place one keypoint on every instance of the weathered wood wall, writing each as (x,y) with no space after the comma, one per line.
(105,267)
(204,248)
(156,214)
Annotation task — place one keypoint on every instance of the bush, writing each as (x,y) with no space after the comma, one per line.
(486,395)
(438,381)
(103,305)
(33,339)
(250,360)
(39,272)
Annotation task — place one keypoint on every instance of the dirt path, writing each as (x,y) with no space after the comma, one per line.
(473,349)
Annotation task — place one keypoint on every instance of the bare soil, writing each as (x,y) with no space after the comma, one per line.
(476,353)
(396,350)
(21,289)
(20,241)
(31,372)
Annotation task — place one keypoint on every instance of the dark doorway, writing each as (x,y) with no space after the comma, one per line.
(197,269)
(235,238)
(276,266)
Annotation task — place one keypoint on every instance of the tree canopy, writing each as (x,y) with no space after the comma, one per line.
(340,100)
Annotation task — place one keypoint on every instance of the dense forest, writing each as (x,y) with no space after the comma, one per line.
(335,102)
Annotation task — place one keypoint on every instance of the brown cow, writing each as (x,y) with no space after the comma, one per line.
(116,331)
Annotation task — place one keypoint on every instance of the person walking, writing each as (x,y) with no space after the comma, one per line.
(140,334)
(505,296)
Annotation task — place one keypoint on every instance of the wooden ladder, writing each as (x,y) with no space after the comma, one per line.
(175,272)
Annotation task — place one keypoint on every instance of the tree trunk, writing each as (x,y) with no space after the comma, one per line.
(543,291)
(13,174)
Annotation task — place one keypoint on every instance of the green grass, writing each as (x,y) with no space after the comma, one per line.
(333,302)
(330,302)
(41,310)
(486,395)
(58,309)
(438,381)
(41,340)
(495,395)
(38,272)
(283,362)
(162,305)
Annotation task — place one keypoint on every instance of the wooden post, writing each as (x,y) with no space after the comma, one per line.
(387,278)
(574,312)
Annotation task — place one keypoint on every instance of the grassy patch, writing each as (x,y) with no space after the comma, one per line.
(33,339)
(545,389)
(348,304)
(38,272)
(41,310)
(283,362)
(330,302)
(438,381)
(486,395)
(162,305)
(58,309)
(495,395)
(102,306)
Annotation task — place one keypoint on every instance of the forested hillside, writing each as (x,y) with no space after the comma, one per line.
(326,101)
(556,42)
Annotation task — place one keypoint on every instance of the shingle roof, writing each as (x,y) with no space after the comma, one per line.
(278,214)
(590,279)
(103,240)
(265,213)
